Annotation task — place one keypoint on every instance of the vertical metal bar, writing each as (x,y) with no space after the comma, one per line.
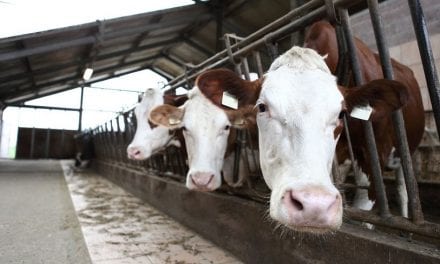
(113,141)
(427,57)
(47,145)
(397,117)
(81,109)
(31,154)
(273,50)
(368,127)
(243,139)
(231,57)
(245,65)
(343,74)
(106,137)
(257,59)
(63,151)
(342,69)
(239,134)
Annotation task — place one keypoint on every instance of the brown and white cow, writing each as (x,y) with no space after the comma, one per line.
(149,138)
(321,36)
(207,129)
(299,104)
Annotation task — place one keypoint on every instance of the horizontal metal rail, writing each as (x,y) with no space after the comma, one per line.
(271,32)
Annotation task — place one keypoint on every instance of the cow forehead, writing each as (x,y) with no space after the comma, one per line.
(201,112)
(290,94)
(148,102)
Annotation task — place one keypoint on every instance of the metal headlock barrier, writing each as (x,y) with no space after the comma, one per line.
(253,54)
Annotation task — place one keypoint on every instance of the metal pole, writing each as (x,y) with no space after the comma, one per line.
(46,150)
(31,154)
(81,109)
(427,57)
(257,59)
(63,151)
(397,117)
(368,127)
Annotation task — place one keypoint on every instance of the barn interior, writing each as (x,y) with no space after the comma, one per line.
(177,44)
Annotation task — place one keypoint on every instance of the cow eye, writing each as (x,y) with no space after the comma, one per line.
(184,128)
(227,127)
(261,108)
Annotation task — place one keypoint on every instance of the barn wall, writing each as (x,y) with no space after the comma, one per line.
(48,143)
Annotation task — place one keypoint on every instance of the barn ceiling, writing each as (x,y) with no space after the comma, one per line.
(43,63)
(165,41)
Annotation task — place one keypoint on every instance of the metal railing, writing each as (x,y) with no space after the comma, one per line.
(253,54)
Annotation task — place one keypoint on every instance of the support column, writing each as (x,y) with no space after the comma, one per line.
(81,109)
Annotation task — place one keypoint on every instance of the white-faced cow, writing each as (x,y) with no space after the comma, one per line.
(207,131)
(149,138)
(299,105)
(321,37)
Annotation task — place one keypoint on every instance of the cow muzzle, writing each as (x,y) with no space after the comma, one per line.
(312,209)
(202,181)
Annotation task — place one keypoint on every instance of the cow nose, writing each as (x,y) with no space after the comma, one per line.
(313,207)
(133,152)
(202,179)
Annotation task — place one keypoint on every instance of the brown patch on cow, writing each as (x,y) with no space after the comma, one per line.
(213,83)
(385,96)
(175,100)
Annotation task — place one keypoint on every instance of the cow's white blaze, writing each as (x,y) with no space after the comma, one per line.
(147,140)
(299,106)
(206,130)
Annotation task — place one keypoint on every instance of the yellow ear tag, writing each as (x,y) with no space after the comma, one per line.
(174,121)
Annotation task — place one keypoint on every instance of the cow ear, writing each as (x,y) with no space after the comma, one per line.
(244,117)
(167,116)
(214,83)
(384,97)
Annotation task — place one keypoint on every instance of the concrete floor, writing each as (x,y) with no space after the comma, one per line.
(104,224)
(38,223)
(120,228)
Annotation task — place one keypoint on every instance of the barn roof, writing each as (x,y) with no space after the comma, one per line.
(165,41)
(48,62)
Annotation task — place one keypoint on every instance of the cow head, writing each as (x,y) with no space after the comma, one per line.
(148,137)
(299,105)
(206,129)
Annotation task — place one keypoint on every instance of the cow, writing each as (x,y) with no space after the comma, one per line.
(209,133)
(321,36)
(299,122)
(85,150)
(149,138)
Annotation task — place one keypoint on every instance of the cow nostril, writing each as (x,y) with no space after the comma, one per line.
(297,204)
(210,178)
(292,201)
(137,152)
